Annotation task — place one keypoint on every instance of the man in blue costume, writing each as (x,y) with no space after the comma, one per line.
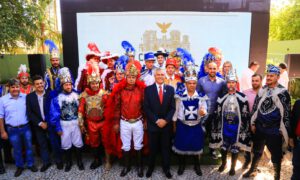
(63,116)
(147,72)
(191,109)
(270,122)
(231,125)
(52,73)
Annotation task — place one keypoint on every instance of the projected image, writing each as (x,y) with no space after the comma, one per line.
(149,31)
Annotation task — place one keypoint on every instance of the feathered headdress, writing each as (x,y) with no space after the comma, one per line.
(129,49)
(121,63)
(92,51)
(212,55)
(93,73)
(186,56)
(53,50)
(22,71)
(64,76)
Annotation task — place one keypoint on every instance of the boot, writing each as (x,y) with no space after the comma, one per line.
(68,157)
(247,160)
(181,166)
(277,168)
(197,167)
(253,169)
(126,167)
(140,164)
(224,160)
(2,169)
(97,159)
(79,159)
(234,157)
(107,162)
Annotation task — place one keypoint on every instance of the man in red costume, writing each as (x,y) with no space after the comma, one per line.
(171,78)
(90,113)
(124,113)
(92,56)
(23,76)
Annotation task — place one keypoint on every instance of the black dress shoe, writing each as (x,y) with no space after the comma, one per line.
(33,168)
(95,164)
(180,170)
(149,173)
(45,167)
(18,172)
(198,170)
(59,166)
(2,170)
(80,166)
(68,166)
(168,174)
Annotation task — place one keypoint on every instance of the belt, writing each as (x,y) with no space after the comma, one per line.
(190,123)
(19,126)
(132,120)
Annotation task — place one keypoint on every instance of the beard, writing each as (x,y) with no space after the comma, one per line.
(24,83)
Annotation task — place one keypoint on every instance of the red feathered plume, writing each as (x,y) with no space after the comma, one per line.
(93,47)
(92,67)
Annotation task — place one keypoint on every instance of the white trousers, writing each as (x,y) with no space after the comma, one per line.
(71,134)
(129,131)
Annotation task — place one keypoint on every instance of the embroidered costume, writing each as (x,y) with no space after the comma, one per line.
(91,113)
(51,73)
(189,135)
(64,117)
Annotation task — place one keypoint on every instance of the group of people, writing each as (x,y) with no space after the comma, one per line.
(120,108)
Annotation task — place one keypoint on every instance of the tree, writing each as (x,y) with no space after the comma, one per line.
(285,21)
(21,23)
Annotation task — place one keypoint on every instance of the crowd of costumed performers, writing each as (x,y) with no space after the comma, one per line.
(123,108)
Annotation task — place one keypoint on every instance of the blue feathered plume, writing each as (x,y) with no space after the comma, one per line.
(51,45)
(120,63)
(127,46)
(185,56)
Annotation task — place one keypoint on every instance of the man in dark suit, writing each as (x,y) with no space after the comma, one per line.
(159,107)
(37,110)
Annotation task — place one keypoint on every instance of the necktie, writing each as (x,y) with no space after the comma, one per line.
(160,94)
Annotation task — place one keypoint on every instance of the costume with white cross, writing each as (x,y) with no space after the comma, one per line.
(189,137)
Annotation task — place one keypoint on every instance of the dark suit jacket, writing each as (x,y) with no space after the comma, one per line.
(154,110)
(33,108)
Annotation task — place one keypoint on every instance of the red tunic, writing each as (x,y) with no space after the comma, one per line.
(28,90)
(126,102)
(90,113)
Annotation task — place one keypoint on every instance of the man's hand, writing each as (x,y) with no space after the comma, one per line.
(116,128)
(60,133)
(4,135)
(43,125)
(291,142)
(253,129)
(161,123)
(145,125)
(82,129)
(202,111)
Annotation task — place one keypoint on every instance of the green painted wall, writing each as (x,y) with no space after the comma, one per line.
(9,65)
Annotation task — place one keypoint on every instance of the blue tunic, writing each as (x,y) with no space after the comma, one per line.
(189,137)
